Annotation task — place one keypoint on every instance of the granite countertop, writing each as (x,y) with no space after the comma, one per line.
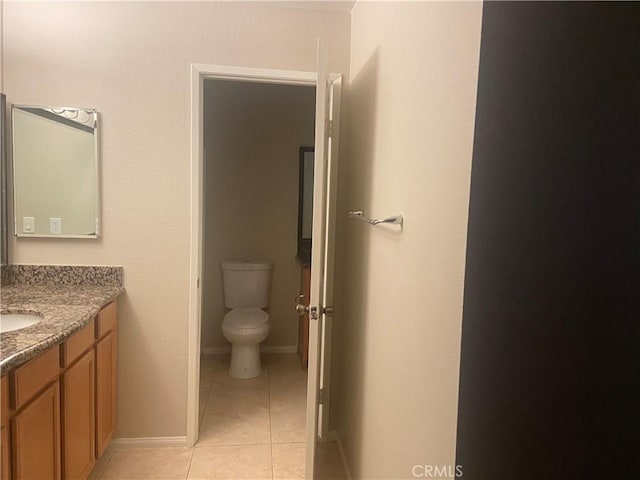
(65,310)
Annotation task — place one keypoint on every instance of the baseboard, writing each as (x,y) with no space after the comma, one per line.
(215,350)
(147,442)
(276,349)
(280,349)
(334,435)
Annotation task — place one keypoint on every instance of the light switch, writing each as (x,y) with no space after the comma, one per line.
(55,226)
(28,225)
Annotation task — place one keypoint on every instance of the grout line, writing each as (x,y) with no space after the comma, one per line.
(106,463)
(225,445)
(200,415)
(270,430)
(206,403)
(190,461)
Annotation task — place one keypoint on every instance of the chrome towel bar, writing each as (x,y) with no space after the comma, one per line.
(393,220)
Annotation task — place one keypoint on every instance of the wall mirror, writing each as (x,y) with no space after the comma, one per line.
(55,172)
(305,201)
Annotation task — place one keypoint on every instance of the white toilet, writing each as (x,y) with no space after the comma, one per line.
(246,291)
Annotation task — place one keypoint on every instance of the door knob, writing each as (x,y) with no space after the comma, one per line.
(301,309)
(317,311)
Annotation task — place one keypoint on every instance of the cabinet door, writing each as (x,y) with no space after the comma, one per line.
(4,394)
(5,472)
(106,357)
(36,433)
(78,418)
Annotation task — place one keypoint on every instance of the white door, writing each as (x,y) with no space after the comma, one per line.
(321,302)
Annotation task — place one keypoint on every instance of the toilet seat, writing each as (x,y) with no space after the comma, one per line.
(246,318)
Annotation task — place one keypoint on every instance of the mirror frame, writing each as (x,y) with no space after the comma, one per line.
(98,220)
(4,210)
(303,242)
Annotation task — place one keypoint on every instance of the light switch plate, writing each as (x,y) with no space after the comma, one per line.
(28,225)
(55,226)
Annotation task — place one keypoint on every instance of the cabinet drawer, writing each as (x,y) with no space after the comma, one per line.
(79,343)
(107,319)
(4,393)
(34,375)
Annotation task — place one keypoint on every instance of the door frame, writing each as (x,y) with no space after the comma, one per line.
(200,72)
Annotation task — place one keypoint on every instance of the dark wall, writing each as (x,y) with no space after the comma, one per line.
(550,368)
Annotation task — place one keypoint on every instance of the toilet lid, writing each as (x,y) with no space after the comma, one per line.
(246,317)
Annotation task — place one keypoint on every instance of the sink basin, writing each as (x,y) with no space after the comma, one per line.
(16,321)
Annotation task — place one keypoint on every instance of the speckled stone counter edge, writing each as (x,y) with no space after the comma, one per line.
(58,324)
(92,287)
(62,275)
(4,275)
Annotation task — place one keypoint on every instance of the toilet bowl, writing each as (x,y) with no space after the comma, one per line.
(245,328)
(246,292)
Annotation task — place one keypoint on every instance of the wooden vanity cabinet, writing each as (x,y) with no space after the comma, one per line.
(106,367)
(59,409)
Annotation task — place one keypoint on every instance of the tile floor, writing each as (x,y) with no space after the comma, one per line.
(249,429)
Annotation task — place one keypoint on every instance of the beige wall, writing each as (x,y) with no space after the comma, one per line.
(131,61)
(253,132)
(412,100)
(411,109)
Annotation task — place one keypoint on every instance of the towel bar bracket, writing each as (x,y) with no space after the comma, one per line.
(393,220)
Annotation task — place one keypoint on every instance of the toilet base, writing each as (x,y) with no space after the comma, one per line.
(245,361)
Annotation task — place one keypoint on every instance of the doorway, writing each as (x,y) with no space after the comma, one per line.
(252,136)
(201,74)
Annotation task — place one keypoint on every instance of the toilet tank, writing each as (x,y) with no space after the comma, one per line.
(246,284)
